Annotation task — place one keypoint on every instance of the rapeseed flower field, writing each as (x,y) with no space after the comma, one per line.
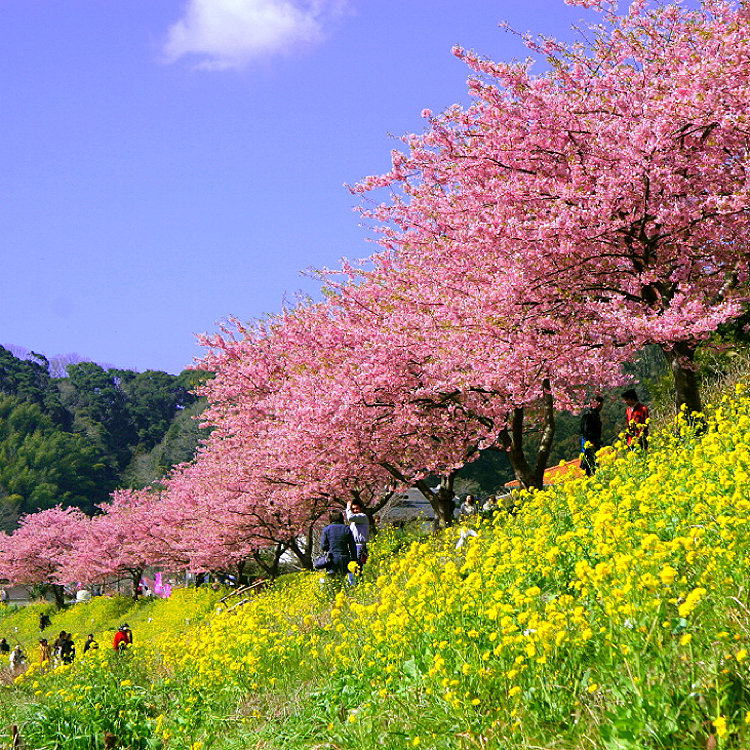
(610,612)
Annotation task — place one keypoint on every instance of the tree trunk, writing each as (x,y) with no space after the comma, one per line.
(271,569)
(135,576)
(303,555)
(681,359)
(442,501)
(548,431)
(511,441)
(277,555)
(239,569)
(59,593)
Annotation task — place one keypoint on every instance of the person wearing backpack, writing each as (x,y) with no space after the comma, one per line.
(337,539)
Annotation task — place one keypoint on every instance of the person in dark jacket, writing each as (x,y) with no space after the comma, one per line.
(57,647)
(67,649)
(90,643)
(338,540)
(591,435)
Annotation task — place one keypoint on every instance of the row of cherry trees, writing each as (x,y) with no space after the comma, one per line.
(529,244)
(63,545)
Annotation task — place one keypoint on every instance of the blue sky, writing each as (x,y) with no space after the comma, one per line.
(167,163)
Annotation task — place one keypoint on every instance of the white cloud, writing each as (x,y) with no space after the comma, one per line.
(229,33)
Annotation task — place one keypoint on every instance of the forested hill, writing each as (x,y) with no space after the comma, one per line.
(72,440)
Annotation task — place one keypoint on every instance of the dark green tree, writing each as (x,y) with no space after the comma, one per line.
(100,410)
(153,400)
(42,466)
(29,380)
(177,446)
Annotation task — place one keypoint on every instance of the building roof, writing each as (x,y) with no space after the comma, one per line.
(560,473)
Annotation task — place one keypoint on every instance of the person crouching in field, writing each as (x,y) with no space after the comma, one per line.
(121,640)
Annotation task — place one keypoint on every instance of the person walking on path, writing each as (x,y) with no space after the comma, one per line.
(45,653)
(337,539)
(591,434)
(16,659)
(57,647)
(636,420)
(67,649)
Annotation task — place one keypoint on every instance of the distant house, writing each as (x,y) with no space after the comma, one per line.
(17,594)
(405,506)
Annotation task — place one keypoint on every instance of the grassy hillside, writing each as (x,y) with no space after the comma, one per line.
(608,613)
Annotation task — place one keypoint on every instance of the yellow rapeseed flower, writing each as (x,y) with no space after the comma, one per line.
(720,725)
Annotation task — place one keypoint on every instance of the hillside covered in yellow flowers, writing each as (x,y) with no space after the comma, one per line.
(610,612)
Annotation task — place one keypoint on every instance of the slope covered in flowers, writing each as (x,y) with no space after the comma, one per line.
(607,613)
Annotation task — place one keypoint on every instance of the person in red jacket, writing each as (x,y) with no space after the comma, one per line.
(636,420)
(121,641)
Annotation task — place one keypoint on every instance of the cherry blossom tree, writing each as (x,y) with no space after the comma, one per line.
(121,541)
(613,186)
(219,518)
(331,427)
(242,483)
(371,391)
(265,475)
(483,357)
(36,552)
